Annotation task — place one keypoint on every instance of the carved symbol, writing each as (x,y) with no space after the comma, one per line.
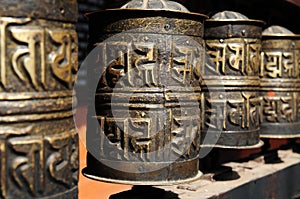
(216,115)
(5,132)
(273,66)
(138,132)
(64,60)
(242,113)
(27,170)
(217,53)
(236,61)
(183,56)
(253,50)
(145,63)
(116,59)
(32,56)
(185,131)
(59,162)
(4,23)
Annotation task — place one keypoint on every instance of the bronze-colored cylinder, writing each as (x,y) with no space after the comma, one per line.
(231,83)
(280,85)
(38,62)
(150,62)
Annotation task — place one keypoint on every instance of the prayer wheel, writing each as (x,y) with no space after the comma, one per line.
(38,64)
(231,82)
(144,119)
(280,84)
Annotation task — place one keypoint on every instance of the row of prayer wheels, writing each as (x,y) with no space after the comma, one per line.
(163,84)
(170,83)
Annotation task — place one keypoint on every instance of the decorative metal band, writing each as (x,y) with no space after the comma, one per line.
(51,10)
(242,140)
(38,141)
(171,173)
(225,29)
(145,21)
(230,101)
(280,86)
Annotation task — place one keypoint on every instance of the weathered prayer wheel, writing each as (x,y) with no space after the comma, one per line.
(144,124)
(38,63)
(231,82)
(280,84)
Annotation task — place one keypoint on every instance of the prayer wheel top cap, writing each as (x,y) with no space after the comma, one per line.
(231,17)
(225,15)
(155,5)
(149,8)
(278,32)
(229,24)
(66,10)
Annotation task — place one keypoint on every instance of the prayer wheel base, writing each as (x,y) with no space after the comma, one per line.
(155,173)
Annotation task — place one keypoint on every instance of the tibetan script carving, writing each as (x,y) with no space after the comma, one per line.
(64,61)
(232,56)
(30,164)
(280,109)
(4,23)
(277,64)
(31,49)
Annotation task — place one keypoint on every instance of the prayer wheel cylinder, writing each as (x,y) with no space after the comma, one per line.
(38,142)
(147,99)
(231,82)
(280,84)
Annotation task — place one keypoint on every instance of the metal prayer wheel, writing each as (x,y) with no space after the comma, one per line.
(145,126)
(280,83)
(38,62)
(231,81)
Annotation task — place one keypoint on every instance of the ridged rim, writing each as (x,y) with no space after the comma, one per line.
(140,10)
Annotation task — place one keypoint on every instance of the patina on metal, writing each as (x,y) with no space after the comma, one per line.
(280,83)
(231,82)
(38,63)
(150,53)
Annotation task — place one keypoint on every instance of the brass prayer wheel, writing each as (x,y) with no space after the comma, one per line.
(38,63)
(280,83)
(143,127)
(231,81)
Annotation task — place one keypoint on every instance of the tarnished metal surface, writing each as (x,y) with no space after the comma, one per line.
(231,82)
(149,133)
(38,142)
(65,10)
(280,84)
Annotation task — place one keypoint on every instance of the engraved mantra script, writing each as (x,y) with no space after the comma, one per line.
(280,64)
(140,61)
(240,112)
(35,155)
(31,54)
(240,56)
(280,109)
(139,136)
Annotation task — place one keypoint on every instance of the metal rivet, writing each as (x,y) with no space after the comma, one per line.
(167,27)
(62,10)
(243,32)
